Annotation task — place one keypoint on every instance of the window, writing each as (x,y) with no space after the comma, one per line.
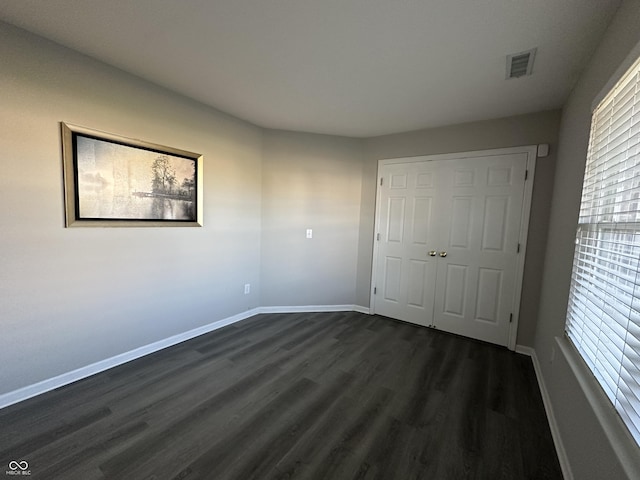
(603,317)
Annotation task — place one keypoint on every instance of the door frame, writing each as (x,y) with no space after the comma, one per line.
(531,151)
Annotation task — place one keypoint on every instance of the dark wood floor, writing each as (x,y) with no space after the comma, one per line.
(310,396)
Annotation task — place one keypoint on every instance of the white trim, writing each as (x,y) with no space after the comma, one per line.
(551,418)
(460,155)
(531,152)
(622,443)
(313,308)
(376,231)
(361,309)
(58,381)
(67,378)
(527,198)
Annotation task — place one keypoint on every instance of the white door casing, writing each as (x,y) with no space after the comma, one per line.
(475,207)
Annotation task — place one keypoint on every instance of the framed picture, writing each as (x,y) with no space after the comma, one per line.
(112,181)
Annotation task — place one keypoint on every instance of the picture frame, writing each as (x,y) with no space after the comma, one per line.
(114,181)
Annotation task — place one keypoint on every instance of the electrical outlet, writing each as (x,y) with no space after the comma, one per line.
(247,288)
(309,233)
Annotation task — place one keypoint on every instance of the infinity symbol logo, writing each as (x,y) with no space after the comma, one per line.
(23,465)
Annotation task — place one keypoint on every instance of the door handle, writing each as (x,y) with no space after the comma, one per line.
(432,253)
(443,254)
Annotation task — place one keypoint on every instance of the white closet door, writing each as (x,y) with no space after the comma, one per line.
(482,202)
(448,233)
(405,271)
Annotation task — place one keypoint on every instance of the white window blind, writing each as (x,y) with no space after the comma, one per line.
(603,317)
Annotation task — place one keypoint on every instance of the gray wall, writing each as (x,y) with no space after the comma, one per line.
(591,456)
(506,132)
(71,297)
(310,181)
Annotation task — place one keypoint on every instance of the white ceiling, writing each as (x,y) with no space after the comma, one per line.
(345,67)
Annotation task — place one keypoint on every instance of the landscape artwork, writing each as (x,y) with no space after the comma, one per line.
(130,183)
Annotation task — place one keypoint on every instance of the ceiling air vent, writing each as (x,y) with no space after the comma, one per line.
(520,64)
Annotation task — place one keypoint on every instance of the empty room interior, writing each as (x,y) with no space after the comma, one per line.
(368,250)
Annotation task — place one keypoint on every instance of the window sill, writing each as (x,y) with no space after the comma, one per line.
(622,442)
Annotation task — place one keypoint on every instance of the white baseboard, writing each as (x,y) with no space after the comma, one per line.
(58,381)
(84,372)
(361,309)
(314,308)
(546,400)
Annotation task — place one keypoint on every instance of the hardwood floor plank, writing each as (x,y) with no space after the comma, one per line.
(295,396)
(284,437)
(34,442)
(315,442)
(228,455)
(344,456)
(182,424)
(61,464)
